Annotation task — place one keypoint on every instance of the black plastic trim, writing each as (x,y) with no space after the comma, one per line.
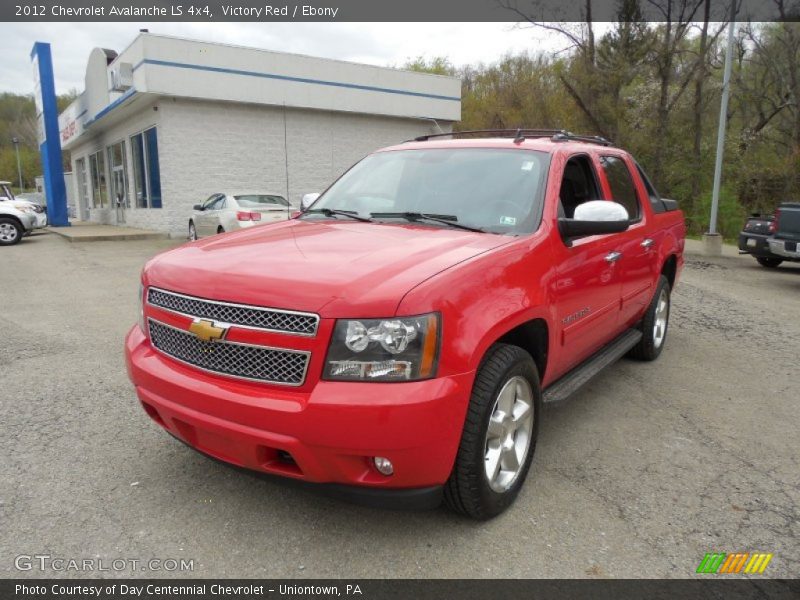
(424,498)
(579,376)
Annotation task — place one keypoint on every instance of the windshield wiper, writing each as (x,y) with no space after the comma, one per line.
(332,212)
(449,220)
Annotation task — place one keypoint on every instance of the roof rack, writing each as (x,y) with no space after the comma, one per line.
(556,135)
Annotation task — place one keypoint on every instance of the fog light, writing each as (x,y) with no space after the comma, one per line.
(384,465)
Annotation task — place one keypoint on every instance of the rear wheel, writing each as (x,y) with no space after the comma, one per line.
(654,324)
(10,232)
(768,261)
(192,231)
(220,229)
(499,435)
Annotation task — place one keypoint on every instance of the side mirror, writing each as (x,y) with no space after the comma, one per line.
(308,200)
(596,217)
(198,207)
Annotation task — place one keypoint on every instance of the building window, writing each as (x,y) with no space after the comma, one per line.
(146,170)
(83,186)
(97,166)
(119,175)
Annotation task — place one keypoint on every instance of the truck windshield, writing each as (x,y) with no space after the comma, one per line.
(495,190)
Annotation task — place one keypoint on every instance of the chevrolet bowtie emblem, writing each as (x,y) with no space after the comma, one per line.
(207,331)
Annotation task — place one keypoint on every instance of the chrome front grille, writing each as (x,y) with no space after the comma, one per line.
(255,317)
(259,363)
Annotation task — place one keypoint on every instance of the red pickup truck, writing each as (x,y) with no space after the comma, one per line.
(396,341)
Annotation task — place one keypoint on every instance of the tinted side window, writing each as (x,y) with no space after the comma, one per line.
(655,199)
(622,188)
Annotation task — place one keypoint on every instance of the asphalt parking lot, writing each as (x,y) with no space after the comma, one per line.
(647,469)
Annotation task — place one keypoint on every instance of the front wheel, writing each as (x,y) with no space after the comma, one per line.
(10,232)
(654,324)
(768,261)
(499,436)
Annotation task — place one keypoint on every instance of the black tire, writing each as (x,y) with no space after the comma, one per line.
(468,490)
(220,229)
(649,348)
(11,231)
(192,231)
(768,261)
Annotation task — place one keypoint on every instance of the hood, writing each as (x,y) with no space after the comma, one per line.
(8,208)
(18,203)
(333,268)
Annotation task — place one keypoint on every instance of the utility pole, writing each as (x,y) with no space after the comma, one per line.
(15,141)
(712,241)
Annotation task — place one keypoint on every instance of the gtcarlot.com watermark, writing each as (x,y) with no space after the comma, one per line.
(59,564)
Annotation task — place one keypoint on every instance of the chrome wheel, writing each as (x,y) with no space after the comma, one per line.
(508,437)
(8,233)
(660,322)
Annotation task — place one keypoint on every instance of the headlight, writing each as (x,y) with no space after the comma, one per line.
(396,349)
(141,309)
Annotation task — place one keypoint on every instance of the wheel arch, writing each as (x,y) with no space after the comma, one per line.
(670,269)
(22,230)
(533,336)
(15,219)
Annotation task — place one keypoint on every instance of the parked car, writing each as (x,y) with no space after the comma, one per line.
(396,341)
(787,232)
(14,223)
(40,212)
(753,239)
(223,212)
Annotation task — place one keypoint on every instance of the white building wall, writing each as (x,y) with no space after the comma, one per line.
(207,147)
(205,70)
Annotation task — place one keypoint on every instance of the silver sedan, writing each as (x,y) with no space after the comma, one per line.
(223,212)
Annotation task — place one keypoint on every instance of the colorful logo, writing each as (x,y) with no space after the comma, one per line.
(740,562)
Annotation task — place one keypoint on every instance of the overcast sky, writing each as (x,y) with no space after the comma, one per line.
(382,44)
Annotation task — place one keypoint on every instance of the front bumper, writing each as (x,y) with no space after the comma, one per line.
(327,435)
(40,220)
(785,248)
(28,221)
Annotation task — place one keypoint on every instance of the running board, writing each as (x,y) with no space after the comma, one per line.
(580,375)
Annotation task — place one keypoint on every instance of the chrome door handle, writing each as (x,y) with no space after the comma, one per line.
(612,257)
(647,243)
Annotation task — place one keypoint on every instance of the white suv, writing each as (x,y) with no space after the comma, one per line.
(39,211)
(14,223)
